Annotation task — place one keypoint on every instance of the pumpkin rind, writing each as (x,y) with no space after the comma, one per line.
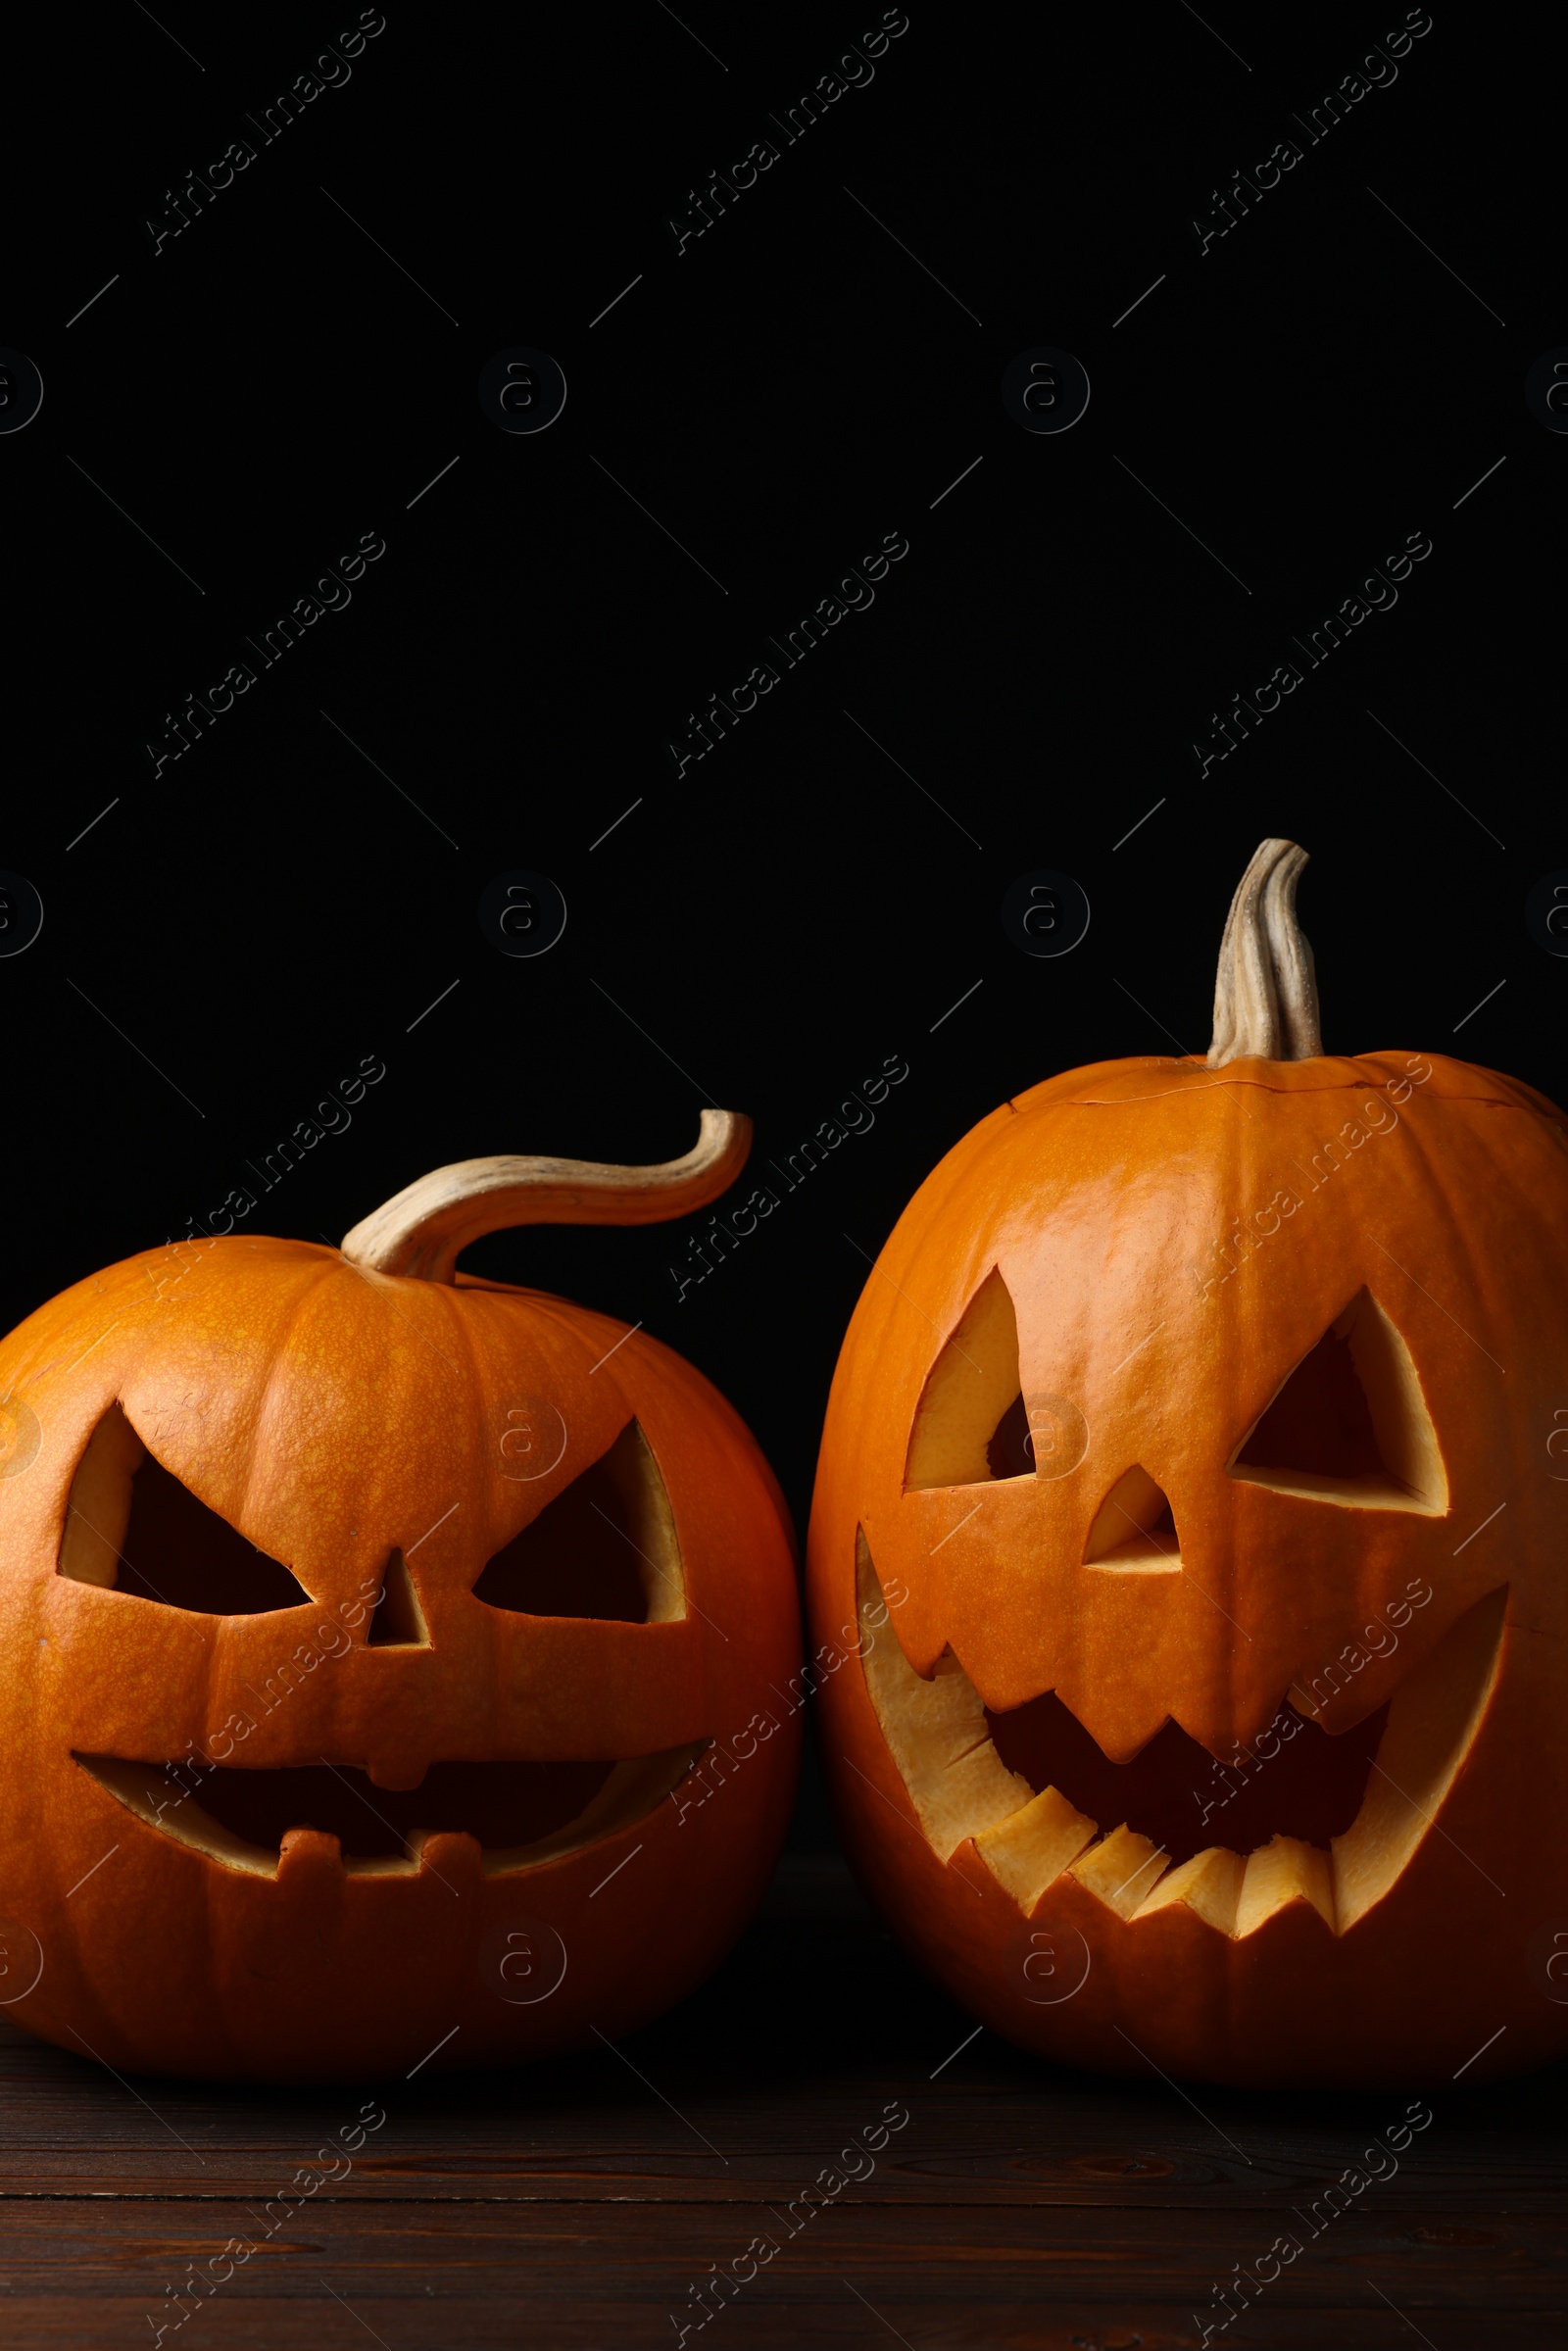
(334,1415)
(1104,1198)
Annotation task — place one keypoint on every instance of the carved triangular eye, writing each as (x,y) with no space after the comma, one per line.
(605,1548)
(970,1424)
(133,1527)
(1350,1424)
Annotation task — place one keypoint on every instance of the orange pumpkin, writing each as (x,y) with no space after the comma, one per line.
(1185,1475)
(360,1625)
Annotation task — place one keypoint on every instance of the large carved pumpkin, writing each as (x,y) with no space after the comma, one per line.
(1185,1488)
(360,1625)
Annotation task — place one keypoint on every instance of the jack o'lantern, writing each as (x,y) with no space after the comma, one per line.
(1184,1474)
(361,1624)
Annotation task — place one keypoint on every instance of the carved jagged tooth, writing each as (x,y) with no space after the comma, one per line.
(307,1855)
(1284,1870)
(1121,1869)
(1210,1884)
(1120,1727)
(1029,1850)
(452,1854)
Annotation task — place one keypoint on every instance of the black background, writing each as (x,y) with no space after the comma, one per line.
(223,945)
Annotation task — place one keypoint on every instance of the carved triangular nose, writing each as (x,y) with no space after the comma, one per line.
(1134,1527)
(398,1620)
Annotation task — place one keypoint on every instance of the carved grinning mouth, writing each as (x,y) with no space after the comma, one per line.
(519,1814)
(1295,1781)
(1332,1820)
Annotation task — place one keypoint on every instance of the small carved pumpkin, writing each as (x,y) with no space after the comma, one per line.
(1187,1467)
(360,1624)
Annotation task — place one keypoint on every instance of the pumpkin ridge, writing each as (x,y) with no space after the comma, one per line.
(1335,1351)
(329,1429)
(303,1298)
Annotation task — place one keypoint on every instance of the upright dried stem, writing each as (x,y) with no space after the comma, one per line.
(1265,992)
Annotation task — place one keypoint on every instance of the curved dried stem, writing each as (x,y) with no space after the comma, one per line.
(1265,992)
(423,1230)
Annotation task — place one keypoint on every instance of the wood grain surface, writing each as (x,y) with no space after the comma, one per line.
(1022,2206)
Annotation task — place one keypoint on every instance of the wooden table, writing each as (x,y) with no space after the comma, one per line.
(577,2204)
